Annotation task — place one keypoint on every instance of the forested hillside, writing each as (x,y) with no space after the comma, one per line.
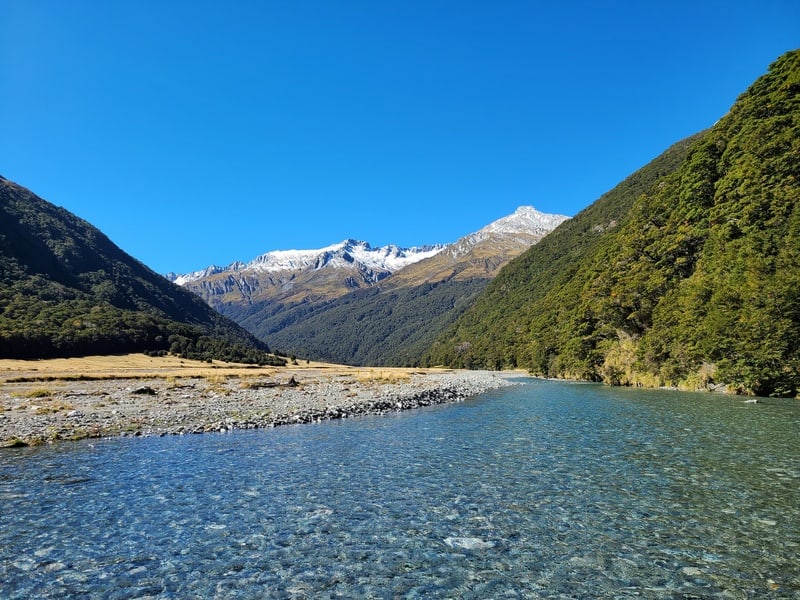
(67,290)
(489,333)
(386,325)
(687,273)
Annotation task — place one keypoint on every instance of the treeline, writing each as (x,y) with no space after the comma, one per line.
(206,348)
(695,283)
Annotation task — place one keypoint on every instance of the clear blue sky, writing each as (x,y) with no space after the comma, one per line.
(198,132)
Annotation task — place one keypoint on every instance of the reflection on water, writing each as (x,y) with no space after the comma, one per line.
(543,490)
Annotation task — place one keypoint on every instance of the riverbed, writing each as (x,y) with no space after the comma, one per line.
(40,410)
(539,490)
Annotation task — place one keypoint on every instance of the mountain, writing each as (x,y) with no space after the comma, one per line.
(67,290)
(354,304)
(295,275)
(686,274)
(482,254)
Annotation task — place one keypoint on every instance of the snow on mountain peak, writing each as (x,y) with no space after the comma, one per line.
(526,223)
(526,219)
(344,254)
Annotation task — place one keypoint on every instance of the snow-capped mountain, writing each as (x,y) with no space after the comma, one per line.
(483,253)
(347,254)
(526,219)
(523,227)
(298,276)
(526,225)
(340,302)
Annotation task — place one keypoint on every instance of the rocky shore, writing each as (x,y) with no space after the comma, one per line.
(43,412)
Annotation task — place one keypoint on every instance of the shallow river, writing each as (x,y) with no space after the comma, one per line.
(543,490)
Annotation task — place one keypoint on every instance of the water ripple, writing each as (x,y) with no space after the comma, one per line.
(547,490)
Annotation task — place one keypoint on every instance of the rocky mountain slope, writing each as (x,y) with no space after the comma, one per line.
(295,275)
(482,254)
(354,304)
(67,290)
(687,274)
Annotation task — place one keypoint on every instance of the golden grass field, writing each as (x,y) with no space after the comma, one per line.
(140,366)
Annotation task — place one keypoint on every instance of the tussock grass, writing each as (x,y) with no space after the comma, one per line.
(128,366)
(37,393)
(53,407)
(172,369)
(384,376)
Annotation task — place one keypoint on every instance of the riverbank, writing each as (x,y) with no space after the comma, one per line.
(43,406)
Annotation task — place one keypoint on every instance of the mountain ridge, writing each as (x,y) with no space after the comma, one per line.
(295,276)
(694,283)
(481,254)
(525,223)
(388,258)
(343,312)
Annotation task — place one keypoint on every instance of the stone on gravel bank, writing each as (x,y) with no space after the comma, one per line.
(81,409)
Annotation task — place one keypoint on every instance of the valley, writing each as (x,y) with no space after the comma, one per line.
(353,304)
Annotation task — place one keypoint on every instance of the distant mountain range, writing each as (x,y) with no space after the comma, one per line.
(67,290)
(296,274)
(355,304)
(686,274)
(374,263)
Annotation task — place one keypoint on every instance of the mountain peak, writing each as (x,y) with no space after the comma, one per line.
(525,226)
(349,253)
(526,219)
(354,243)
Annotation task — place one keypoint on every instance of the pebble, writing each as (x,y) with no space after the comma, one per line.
(158,407)
(468,543)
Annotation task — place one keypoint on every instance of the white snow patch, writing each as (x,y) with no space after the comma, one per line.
(526,222)
(345,254)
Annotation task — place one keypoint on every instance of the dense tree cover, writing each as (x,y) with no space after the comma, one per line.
(389,326)
(67,290)
(694,280)
(492,332)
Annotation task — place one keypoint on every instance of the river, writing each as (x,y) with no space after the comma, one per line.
(542,490)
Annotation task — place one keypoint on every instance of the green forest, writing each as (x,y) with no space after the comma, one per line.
(686,274)
(386,326)
(67,290)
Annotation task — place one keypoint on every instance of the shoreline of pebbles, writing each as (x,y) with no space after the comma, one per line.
(40,413)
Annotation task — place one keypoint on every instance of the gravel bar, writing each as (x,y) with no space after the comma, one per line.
(38,413)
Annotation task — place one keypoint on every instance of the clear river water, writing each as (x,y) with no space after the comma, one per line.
(542,490)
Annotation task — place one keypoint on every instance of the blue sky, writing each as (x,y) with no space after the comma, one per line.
(199,132)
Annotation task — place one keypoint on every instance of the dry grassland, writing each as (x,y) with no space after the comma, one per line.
(140,366)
